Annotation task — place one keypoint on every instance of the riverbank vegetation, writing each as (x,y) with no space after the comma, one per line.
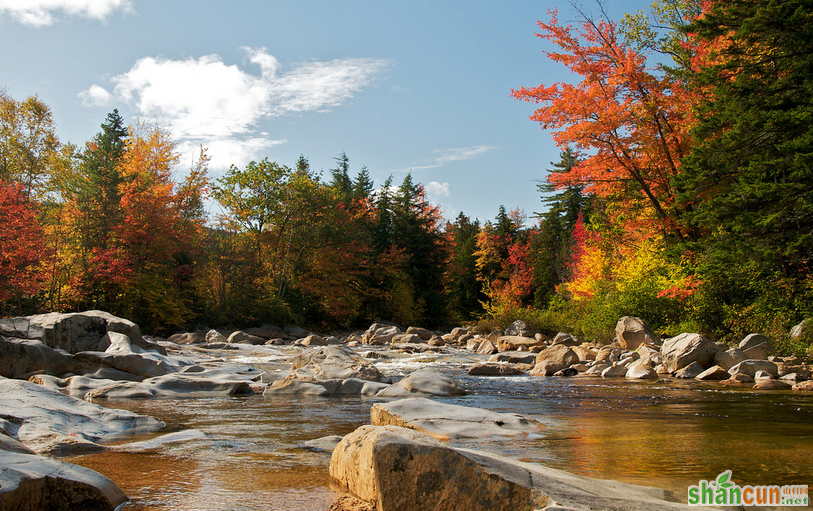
(683,194)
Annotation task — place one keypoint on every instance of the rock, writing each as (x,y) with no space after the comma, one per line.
(399,469)
(597,369)
(335,362)
(691,371)
(240,337)
(632,332)
(616,371)
(762,375)
(266,331)
(517,343)
(486,348)
(213,336)
(729,358)
(407,339)
(609,355)
(641,370)
(187,338)
(436,341)
(519,328)
(713,373)
(493,369)
(424,382)
(323,444)
(379,334)
(293,387)
(451,422)
(803,329)
(145,365)
(553,359)
(423,333)
(175,386)
(49,422)
(513,357)
(567,372)
(750,367)
(350,503)
(21,358)
(769,384)
(805,386)
(36,483)
(458,332)
(565,339)
(21,328)
(584,353)
(176,437)
(85,331)
(678,352)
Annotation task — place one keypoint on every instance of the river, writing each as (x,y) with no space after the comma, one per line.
(668,433)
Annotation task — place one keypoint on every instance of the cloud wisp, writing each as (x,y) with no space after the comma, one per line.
(443,156)
(40,13)
(207,101)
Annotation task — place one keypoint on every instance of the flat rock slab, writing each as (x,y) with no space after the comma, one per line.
(36,483)
(49,422)
(424,383)
(451,422)
(395,468)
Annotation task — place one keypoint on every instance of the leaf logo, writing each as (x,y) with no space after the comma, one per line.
(723,480)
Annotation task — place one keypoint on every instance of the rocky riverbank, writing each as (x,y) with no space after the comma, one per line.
(83,360)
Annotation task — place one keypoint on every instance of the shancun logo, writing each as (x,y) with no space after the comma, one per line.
(723,492)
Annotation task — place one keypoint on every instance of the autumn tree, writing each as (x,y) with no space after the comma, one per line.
(465,290)
(626,123)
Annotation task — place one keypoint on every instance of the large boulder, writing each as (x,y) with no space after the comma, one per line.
(394,468)
(756,346)
(451,422)
(335,362)
(49,422)
(751,367)
(36,483)
(21,358)
(201,384)
(680,351)
(420,332)
(641,370)
(729,358)
(379,334)
(517,343)
(632,332)
(424,383)
(86,331)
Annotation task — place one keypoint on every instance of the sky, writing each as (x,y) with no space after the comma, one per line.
(419,86)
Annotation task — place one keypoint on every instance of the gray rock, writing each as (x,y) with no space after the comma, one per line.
(750,367)
(713,373)
(424,382)
(553,359)
(692,370)
(35,483)
(632,332)
(407,339)
(616,371)
(565,339)
(213,336)
(729,358)
(49,422)
(519,328)
(680,351)
(379,334)
(21,358)
(641,370)
(514,357)
(486,348)
(240,337)
(187,338)
(85,331)
(335,362)
(803,329)
(451,422)
(323,444)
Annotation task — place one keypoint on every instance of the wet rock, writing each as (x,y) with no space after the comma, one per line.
(186,435)
(641,370)
(729,358)
(335,362)
(398,469)
(36,483)
(713,373)
(805,386)
(750,367)
(451,422)
(738,379)
(49,422)
(323,444)
(295,387)
(567,372)
(424,382)
(770,384)
(680,351)
(691,371)
(493,369)
(632,332)
(350,503)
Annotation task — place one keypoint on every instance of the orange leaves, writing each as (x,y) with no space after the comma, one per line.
(628,125)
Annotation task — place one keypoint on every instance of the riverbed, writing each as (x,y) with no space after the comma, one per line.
(668,433)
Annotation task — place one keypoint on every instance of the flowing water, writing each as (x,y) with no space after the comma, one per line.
(668,434)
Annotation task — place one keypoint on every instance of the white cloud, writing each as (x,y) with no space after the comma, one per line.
(436,190)
(204,100)
(95,96)
(38,13)
(228,151)
(444,156)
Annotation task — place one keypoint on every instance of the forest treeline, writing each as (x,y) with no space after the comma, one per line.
(683,194)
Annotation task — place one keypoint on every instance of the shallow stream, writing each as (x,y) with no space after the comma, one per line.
(668,434)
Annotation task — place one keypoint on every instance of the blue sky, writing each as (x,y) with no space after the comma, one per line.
(420,86)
